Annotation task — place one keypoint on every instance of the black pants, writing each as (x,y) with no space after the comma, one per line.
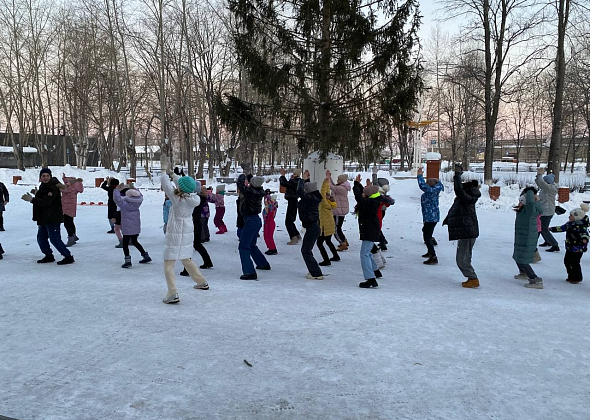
(572,265)
(133,240)
(339,220)
(198,245)
(328,241)
(69,225)
(427,231)
(382,240)
(1,219)
(290,218)
(312,232)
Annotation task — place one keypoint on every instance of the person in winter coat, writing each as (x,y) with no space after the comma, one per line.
(268,217)
(4,198)
(197,234)
(109,185)
(547,197)
(250,208)
(48,214)
(369,204)
(340,191)
(308,208)
(69,203)
(463,227)
(205,213)
(219,200)
(1,252)
(327,224)
(430,212)
(166,211)
(129,200)
(383,184)
(180,229)
(525,237)
(576,241)
(291,196)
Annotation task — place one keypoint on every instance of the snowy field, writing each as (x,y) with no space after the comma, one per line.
(93,341)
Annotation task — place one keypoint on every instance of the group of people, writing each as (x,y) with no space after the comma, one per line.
(321,209)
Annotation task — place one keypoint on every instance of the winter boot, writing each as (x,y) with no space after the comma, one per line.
(325,263)
(271,252)
(431,261)
(536,283)
(568,280)
(127,263)
(2,229)
(120,245)
(251,276)
(378,274)
(343,246)
(111,231)
(172,299)
(67,260)
(294,241)
(554,248)
(521,276)
(427,255)
(536,257)
(71,241)
(184,273)
(1,250)
(335,258)
(544,244)
(368,284)
(471,283)
(206,265)
(146,258)
(76,238)
(49,258)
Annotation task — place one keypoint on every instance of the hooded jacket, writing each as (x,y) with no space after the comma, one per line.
(525,231)
(546,195)
(576,234)
(340,192)
(130,215)
(69,197)
(462,218)
(47,208)
(327,224)
(429,200)
(308,206)
(290,186)
(369,211)
(112,206)
(251,202)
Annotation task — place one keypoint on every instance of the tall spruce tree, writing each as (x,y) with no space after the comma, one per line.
(327,71)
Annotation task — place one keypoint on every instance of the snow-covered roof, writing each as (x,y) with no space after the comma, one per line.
(9,149)
(151,149)
(433,156)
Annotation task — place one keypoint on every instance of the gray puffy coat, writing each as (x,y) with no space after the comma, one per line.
(546,196)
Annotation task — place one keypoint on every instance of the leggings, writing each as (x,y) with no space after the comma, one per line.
(190,267)
(339,235)
(69,225)
(134,242)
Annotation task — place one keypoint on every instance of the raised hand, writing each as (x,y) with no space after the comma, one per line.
(420,171)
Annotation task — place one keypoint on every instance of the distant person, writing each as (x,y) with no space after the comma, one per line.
(129,199)
(327,224)
(340,189)
(4,198)
(291,186)
(431,188)
(219,200)
(109,185)
(308,208)
(547,197)
(268,217)
(69,203)
(525,237)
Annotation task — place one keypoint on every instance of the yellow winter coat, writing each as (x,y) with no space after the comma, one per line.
(327,225)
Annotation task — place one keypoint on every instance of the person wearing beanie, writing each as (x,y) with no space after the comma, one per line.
(69,203)
(268,217)
(340,191)
(547,195)
(250,207)
(114,215)
(219,200)
(463,227)
(291,196)
(129,200)
(369,203)
(327,224)
(180,230)
(525,237)
(383,184)
(48,213)
(308,208)
(430,213)
(4,197)
(576,241)
(205,213)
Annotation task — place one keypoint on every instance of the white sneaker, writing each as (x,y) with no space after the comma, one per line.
(310,277)
(293,241)
(172,299)
(536,283)
(521,276)
(204,286)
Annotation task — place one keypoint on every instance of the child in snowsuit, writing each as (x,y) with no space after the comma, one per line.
(205,213)
(268,217)
(383,184)
(69,202)
(308,209)
(430,213)
(525,237)
(166,211)
(219,200)
(576,241)
(327,224)
(129,200)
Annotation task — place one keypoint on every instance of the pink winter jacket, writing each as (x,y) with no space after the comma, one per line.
(69,196)
(340,192)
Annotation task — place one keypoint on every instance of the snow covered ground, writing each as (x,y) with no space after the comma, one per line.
(93,341)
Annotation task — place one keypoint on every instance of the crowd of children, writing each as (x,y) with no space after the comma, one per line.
(321,212)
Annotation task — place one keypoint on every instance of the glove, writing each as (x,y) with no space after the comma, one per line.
(34,191)
(375,169)
(165,164)
(540,171)
(27,197)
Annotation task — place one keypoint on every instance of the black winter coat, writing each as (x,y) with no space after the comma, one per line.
(47,204)
(3,196)
(368,210)
(111,205)
(291,186)
(251,203)
(308,206)
(462,218)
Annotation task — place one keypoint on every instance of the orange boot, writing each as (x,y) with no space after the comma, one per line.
(471,283)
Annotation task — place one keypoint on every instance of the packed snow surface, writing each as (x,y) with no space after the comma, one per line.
(94,341)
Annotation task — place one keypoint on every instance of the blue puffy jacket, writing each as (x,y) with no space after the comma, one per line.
(429,200)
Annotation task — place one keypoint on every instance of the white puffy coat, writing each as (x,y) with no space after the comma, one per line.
(179,230)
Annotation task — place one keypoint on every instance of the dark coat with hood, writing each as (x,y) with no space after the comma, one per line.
(525,230)
(47,208)
(308,206)
(369,211)
(251,203)
(291,186)
(462,218)
(3,196)
(109,186)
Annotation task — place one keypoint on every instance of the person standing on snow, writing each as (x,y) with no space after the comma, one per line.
(525,237)
(69,203)
(547,197)
(327,224)
(3,201)
(268,216)
(48,214)
(219,200)
(291,196)
(340,191)
(109,185)
(463,227)
(180,229)
(432,187)
(308,208)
